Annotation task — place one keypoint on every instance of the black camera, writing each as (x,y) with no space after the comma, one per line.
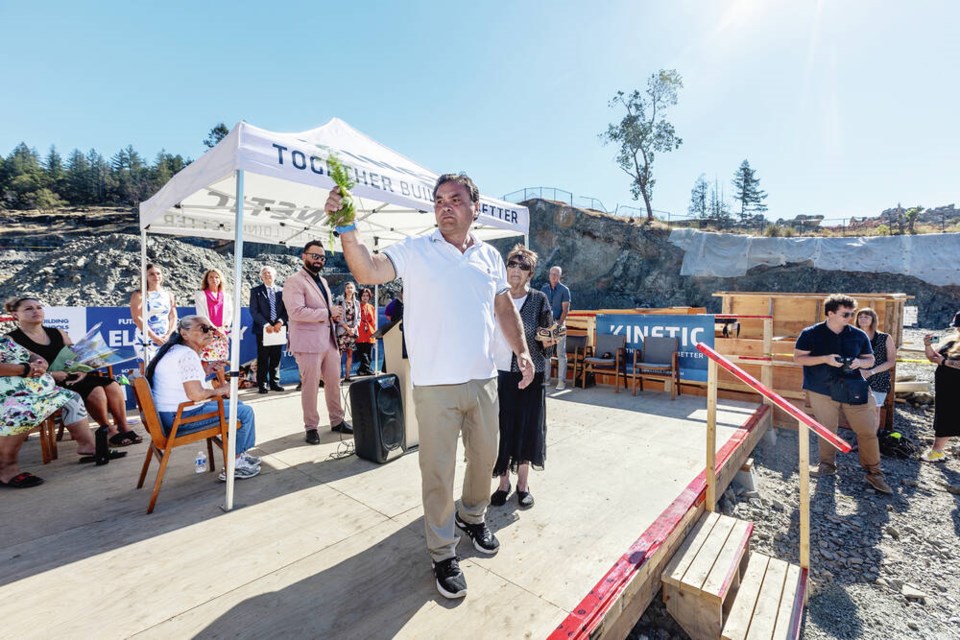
(847,361)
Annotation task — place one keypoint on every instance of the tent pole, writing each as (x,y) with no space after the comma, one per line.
(376,314)
(144,340)
(235,342)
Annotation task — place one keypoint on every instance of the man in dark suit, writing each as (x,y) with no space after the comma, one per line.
(266,307)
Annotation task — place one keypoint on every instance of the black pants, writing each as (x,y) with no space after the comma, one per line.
(268,363)
(363,352)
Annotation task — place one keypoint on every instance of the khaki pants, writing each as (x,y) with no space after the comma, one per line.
(862,418)
(444,412)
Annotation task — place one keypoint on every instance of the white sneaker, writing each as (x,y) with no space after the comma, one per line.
(254,460)
(561,385)
(242,470)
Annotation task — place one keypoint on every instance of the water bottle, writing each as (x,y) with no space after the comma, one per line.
(201,463)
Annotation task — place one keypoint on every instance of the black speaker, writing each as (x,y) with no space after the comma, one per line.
(376,405)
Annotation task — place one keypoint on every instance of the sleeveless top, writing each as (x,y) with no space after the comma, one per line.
(880,381)
(48,352)
(158,312)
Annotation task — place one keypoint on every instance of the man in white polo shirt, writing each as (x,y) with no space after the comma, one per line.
(455,296)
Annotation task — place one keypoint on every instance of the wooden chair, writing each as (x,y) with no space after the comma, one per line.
(606,356)
(576,348)
(658,359)
(162,444)
(48,436)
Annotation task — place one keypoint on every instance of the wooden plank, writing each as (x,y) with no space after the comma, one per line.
(768,602)
(724,572)
(701,566)
(738,622)
(685,555)
(791,606)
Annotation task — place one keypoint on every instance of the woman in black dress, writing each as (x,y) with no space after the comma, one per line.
(946,380)
(523,427)
(102,396)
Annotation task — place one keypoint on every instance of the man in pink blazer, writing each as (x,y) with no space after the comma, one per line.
(313,341)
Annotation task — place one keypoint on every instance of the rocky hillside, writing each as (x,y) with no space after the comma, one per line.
(92,257)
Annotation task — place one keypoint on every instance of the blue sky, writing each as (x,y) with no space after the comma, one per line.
(843,107)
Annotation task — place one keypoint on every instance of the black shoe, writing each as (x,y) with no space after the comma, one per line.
(299,386)
(343,427)
(276,387)
(263,390)
(450,580)
(499,497)
(313,437)
(525,499)
(483,539)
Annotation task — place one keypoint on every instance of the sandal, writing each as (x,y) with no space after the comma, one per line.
(113,455)
(499,497)
(125,438)
(23,480)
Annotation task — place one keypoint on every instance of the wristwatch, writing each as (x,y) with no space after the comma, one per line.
(27,369)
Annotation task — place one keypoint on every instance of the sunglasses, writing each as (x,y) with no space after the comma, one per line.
(846,314)
(316,256)
(207,328)
(523,266)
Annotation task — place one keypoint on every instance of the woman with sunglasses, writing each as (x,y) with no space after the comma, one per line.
(522,411)
(176,375)
(884,355)
(945,353)
(102,396)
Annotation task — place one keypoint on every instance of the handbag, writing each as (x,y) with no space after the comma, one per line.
(849,390)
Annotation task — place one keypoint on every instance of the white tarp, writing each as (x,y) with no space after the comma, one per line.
(286,184)
(929,257)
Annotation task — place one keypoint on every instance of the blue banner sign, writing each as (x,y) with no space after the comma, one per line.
(688,329)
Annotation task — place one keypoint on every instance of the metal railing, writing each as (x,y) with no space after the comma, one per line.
(804,423)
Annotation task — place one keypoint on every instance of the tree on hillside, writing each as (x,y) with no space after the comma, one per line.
(22,178)
(216,134)
(53,167)
(719,210)
(644,131)
(747,192)
(911,215)
(698,199)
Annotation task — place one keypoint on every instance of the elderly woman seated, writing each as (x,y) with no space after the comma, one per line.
(176,375)
(28,395)
(102,396)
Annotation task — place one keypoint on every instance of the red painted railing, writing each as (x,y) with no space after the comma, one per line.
(838,442)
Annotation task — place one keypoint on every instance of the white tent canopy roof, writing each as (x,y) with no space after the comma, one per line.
(286,185)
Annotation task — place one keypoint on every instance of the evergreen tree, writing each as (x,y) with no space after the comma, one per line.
(718,207)
(77,181)
(698,199)
(22,178)
(644,131)
(747,191)
(216,134)
(53,166)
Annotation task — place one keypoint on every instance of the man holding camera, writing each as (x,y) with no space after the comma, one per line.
(831,353)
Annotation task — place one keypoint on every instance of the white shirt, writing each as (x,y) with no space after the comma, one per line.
(448,307)
(502,353)
(180,364)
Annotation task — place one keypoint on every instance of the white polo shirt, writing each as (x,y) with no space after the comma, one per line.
(448,307)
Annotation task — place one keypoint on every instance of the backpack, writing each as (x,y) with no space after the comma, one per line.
(896,445)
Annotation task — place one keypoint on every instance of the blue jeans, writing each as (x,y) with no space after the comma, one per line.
(246,431)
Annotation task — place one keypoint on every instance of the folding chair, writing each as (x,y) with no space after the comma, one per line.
(658,359)
(162,445)
(606,356)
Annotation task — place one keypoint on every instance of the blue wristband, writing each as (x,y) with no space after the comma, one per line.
(343,230)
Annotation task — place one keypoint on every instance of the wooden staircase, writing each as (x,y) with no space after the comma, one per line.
(715,587)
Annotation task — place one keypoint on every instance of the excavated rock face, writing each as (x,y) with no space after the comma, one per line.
(613,262)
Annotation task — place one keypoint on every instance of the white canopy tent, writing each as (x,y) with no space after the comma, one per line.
(262,186)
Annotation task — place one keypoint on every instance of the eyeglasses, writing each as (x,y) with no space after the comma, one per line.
(316,256)
(846,314)
(515,264)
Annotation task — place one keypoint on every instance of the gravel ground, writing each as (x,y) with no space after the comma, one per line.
(881,567)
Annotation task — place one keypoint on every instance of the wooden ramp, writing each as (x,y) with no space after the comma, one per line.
(329,547)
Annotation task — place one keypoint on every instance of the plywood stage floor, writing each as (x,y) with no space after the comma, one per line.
(319,547)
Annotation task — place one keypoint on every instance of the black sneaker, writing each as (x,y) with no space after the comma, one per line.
(483,539)
(450,580)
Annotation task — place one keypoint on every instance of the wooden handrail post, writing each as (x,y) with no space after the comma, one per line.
(766,372)
(711,470)
(803,433)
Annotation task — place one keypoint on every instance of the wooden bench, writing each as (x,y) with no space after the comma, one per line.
(714,586)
